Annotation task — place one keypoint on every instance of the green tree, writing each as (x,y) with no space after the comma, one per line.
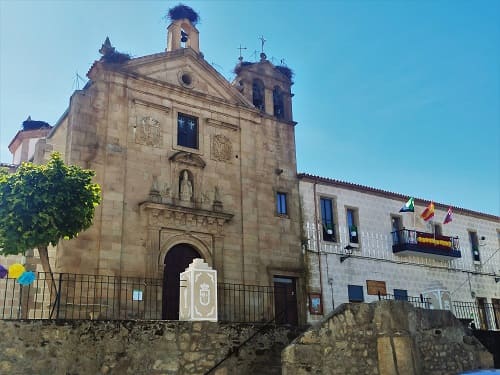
(40,204)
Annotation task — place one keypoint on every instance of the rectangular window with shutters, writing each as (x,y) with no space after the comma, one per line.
(327,221)
(352,225)
(396,227)
(281,207)
(474,245)
(355,293)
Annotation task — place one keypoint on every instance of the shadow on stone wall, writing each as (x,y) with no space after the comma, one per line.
(386,338)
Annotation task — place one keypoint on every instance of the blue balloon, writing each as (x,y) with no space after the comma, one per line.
(26,278)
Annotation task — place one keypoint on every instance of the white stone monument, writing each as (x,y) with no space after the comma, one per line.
(440,297)
(198,292)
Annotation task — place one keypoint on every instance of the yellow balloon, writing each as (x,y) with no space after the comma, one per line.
(16,270)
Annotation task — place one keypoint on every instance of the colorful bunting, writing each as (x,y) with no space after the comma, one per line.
(428,213)
(26,278)
(3,272)
(409,206)
(449,216)
(17,271)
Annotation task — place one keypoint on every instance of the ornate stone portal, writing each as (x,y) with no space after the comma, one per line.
(198,292)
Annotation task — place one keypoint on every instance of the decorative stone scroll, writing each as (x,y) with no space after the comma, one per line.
(222,148)
(148,131)
(198,292)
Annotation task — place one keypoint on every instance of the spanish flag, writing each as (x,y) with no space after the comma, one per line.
(428,212)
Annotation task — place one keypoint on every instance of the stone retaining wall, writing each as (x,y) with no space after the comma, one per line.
(386,338)
(136,347)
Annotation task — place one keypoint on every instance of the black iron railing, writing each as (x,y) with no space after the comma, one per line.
(421,302)
(77,296)
(478,315)
(408,240)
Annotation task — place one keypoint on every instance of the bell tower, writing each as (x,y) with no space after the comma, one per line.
(181,33)
(267,86)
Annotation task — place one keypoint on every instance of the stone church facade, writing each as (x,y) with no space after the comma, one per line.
(190,166)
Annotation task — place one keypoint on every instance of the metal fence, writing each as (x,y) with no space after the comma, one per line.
(478,315)
(74,296)
(421,302)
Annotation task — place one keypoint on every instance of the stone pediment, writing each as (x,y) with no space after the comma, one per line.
(188,158)
(187,70)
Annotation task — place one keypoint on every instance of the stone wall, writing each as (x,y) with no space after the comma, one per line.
(386,338)
(137,347)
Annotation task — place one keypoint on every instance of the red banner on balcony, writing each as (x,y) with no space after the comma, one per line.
(439,242)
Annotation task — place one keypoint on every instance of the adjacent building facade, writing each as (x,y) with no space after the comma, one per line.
(358,245)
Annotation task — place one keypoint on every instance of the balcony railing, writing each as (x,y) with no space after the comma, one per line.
(121,298)
(412,242)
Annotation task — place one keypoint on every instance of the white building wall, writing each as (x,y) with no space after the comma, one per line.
(374,259)
(31,147)
(16,158)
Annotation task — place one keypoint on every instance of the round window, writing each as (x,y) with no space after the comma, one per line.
(186,79)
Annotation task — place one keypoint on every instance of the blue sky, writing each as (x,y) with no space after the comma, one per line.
(399,95)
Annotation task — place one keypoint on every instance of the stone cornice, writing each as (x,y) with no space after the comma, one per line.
(222,124)
(187,218)
(152,105)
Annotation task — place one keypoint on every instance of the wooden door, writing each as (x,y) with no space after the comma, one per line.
(496,311)
(481,305)
(285,300)
(177,260)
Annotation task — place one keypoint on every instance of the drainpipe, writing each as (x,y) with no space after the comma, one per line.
(318,243)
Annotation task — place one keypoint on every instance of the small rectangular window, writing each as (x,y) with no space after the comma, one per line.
(187,131)
(327,219)
(355,293)
(437,230)
(474,245)
(352,225)
(401,294)
(396,227)
(281,203)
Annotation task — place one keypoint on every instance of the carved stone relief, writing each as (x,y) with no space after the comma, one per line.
(148,131)
(222,148)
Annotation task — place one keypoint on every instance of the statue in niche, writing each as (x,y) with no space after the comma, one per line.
(185,187)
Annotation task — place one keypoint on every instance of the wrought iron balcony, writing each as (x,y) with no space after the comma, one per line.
(412,242)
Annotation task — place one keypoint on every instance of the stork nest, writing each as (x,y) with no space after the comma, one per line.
(182,11)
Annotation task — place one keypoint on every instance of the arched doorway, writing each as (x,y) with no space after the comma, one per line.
(177,260)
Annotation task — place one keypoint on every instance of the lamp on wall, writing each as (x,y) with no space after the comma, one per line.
(348,252)
(497,279)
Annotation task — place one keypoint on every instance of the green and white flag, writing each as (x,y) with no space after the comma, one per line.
(409,206)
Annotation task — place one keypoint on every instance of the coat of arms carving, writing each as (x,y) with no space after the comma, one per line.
(148,131)
(221,148)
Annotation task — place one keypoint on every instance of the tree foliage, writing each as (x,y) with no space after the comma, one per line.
(40,204)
